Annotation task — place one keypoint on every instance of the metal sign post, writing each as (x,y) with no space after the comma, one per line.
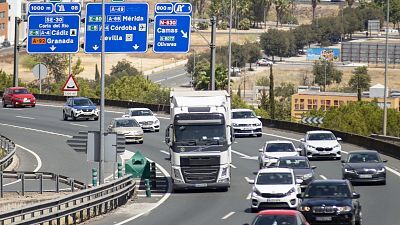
(40,72)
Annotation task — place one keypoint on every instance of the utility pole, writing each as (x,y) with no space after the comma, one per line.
(358,88)
(212,47)
(325,75)
(386,68)
(230,49)
(16,51)
(271,93)
(102,81)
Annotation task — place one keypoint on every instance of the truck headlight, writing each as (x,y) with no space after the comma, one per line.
(224,172)
(177,174)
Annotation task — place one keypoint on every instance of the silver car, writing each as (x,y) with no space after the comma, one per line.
(129,127)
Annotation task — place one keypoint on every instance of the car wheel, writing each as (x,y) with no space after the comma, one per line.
(13,104)
(87,118)
(96,118)
(33,106)
(65,117)
(140,142)
(224,189)
(383,182)
(359,219)
(4,103)
(157,130)
(253,210)
(73,116)
(259,135)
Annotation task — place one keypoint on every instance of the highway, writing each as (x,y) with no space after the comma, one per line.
(170,78)
(43,131)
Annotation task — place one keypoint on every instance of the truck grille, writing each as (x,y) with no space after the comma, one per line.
(196,175)
(200,161)
(324,209)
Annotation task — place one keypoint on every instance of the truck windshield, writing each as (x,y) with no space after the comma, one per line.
(197,134)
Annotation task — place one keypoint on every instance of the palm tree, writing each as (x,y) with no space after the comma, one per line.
(314,5)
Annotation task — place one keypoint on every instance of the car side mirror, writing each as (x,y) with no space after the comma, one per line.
(251,181)
(259,117)
(125,116)
(299,181)
(302,140)
(313,167)
(260,150)
(299,195)
(154,114)
(385,161)
(356,195)
(338,138)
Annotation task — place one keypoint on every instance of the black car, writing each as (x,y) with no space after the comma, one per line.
(364,166)
(301,168)
(331,202)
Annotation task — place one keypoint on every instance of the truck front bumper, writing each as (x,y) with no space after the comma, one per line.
(182,186)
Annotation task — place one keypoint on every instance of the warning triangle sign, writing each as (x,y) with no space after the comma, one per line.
(70,84)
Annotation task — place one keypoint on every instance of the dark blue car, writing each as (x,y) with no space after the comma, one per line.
(80,108)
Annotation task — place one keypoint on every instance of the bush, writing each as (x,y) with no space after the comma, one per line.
(244,24)
(289,19)
(28,61)
(223,25)
(202,26)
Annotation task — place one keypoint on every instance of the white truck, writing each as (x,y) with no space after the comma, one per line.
(199,136)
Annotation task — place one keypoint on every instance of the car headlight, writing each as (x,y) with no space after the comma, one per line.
(156,121)
(257,192)
(234,124)
(310,146)
(336,146)
(342,209)
(18,99)
(307,176)
(382,170)
(292,190)
(258,124)
(305,208)
(347,170)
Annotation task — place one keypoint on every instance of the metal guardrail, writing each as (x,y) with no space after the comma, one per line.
(74,208)
(391,139)
(41,176)
(9,147)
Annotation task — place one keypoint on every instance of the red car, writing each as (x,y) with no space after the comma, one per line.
(18,96)
(279,217)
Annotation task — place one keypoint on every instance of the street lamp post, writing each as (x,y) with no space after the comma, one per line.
(230,49)
(386,68)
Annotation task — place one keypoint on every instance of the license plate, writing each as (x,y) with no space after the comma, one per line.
(365,176)
(272,200)
(247,128)
(26,100)
(324,153)
(324,218)
(200,185)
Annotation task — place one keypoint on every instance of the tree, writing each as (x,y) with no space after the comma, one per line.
(97,74)
(360,80)
(56,64)
(203,75)
(77,68)
(285,90)
(303,36)
(6,80)
(281,6)
(253,50)
(276,43)
(351,21)
(328,30)
(123,68)
(332,74)
(314,5)
(240,55)
(263,81)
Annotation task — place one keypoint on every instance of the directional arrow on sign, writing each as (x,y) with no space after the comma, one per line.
(52,48)
(312,120)
(184,34)
(95,47)
(136,46)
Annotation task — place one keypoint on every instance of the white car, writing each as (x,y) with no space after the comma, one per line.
(145,117)
(321,144)
(273,150)
(275,188)
(245,122)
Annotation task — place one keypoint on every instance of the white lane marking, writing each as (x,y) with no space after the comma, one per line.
(227,215)
(152,195)
(12,109)
(241,154)
(247,179)
(233,166)
(39,161)
(165,152)
(393,171)
(168,78)
(162,200)
(79,125)
(37,130)
(25,117)
(278,136)
(323,177)
(248,196)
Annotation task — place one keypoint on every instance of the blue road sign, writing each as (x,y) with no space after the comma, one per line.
(53,28)
(172,27)
(126,27)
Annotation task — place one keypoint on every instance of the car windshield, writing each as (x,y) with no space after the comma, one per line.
(83,102)
(20,91)
(141,113)
(279,147)
(327,190)
(126,123)
(198,133)
(274,178)
(275,220)
(243,115)
(321,137)
(293,163)
(364,158)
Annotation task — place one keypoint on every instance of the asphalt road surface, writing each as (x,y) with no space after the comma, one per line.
(43,131)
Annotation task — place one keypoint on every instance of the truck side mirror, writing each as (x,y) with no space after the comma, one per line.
(167,135)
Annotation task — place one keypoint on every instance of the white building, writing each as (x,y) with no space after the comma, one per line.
(16,8)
